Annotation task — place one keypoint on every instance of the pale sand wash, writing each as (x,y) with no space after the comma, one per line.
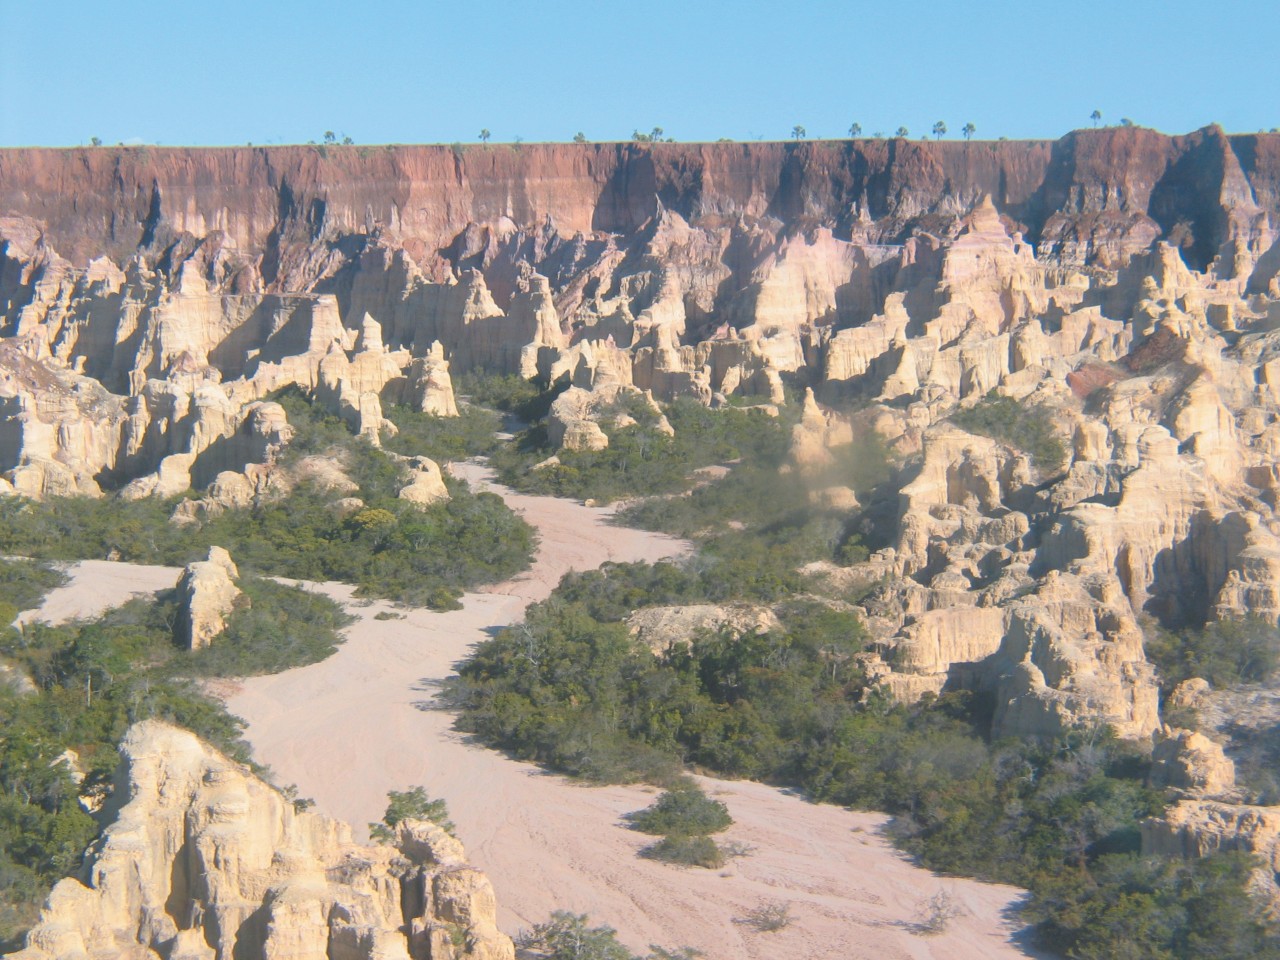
(351,728)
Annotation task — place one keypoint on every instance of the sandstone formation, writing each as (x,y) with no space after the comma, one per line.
(207,593)
(1121,285)
(1191,762)
(426,485)
(1197,828)
(205,861)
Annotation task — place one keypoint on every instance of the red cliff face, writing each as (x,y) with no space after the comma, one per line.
(1200,190)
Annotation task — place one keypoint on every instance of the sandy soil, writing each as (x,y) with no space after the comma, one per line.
(98,585)
(361,723)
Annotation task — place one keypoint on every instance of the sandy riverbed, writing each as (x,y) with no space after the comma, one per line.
(353,727)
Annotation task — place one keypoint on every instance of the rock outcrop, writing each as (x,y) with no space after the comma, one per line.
(426,485)
(207,594)
(1198,828)
(203,860)
(658,628)
(1124,281)
(1190,762)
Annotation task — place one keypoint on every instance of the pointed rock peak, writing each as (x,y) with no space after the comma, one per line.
(984,218)
(473,280)
(811,410)
(370,336)
(221,557)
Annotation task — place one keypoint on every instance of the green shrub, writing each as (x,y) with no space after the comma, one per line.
(411,804)
(683,811)
(412,555)
(470,434)
(686,851)
(1155,909)
(274,627)
(1029,427)
(529,400)
(1224,652)
(640,460)
(569,936)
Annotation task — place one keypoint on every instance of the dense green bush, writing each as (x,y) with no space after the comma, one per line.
(640,459)
(683,811)
(684,816)
(696,850)
(1029,427)
(1154,909)
(470,434)
(411,804)
(393,549)
(1224,652)
(527,400)
(274,627)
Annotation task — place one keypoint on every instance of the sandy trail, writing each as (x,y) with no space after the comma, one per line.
(351,728)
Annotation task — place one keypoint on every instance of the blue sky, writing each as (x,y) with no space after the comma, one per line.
(394,71)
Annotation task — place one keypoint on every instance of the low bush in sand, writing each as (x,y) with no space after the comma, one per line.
(769,916)
(570,936)
(698,851)
(683,811)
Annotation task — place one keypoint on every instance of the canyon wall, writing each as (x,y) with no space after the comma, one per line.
(152,299)
(88,202)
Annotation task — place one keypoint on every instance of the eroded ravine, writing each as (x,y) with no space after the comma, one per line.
(358,724)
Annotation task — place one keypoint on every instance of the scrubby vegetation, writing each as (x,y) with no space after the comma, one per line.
(273,628)
(1029,427)
(92,680)
(1153,909)
(23,584)
(696,850)
(570,936)
(526,400)
(569,689)
(685,817)
(413,804)
(640,459)
(388,548)
(683,811)
(1224,652)
(470,434)
(770,916)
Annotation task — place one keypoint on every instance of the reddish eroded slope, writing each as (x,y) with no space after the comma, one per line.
(1201,189)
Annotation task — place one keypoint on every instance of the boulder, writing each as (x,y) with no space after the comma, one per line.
(1191,762)
(427,484)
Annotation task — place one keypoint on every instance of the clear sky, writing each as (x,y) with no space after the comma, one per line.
(409,71)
